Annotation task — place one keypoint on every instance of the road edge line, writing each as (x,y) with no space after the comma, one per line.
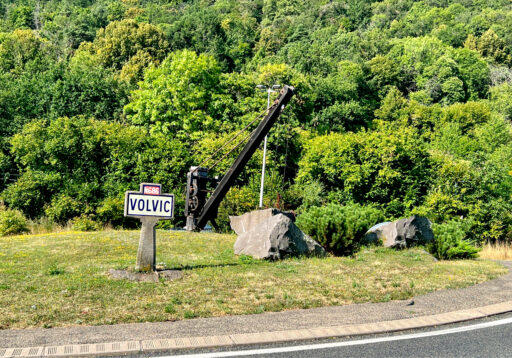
(172,344)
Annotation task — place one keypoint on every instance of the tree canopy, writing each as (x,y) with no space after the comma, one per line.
(402,105)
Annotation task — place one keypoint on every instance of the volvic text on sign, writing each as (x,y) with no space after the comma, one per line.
(149,205)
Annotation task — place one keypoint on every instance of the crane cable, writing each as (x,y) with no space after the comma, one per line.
(232,139)
(231,151)
(262,114)
(286,156)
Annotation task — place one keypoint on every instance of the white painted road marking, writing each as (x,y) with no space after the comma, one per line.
(347,343)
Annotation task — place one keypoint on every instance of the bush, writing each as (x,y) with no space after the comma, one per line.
(111,210)
(378,167)
(78,166)
(310,194)
(339,229)
(84,223)
(63,208)
(449,241)
(12,222)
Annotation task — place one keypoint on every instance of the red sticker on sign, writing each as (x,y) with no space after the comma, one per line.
(151,190)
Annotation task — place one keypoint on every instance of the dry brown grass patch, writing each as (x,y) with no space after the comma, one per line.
(497,251)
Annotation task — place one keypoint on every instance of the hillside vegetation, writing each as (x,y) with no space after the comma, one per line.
(401,105)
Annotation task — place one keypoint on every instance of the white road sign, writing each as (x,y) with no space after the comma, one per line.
(139,204)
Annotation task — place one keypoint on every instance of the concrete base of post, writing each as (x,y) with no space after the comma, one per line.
(146,254)
(191,223)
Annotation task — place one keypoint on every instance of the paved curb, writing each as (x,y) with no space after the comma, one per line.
(149,346)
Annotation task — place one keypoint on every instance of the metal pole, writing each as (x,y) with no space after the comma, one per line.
(264,155)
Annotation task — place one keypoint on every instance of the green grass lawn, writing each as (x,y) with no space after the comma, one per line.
(61,279)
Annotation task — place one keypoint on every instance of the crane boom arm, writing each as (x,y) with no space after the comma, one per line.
(210,208)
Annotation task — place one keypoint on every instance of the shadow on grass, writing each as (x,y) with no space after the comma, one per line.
(194,267)
(242,260)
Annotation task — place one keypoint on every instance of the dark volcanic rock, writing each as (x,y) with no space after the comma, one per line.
(415,230)
(403,233)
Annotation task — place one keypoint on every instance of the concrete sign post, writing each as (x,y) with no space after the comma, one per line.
(149,206)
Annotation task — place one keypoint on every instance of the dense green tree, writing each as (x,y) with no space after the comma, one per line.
(128,46)
(501,100)
(68,25)
(74,166)
(489,45)
(177,98)
(445,74)
(398,103)
(20,17)
(341,99)
(25,97)
(89,90)
(384,167)
(23,50)
(28,71)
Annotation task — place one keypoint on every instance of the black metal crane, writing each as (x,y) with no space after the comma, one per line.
(198,209)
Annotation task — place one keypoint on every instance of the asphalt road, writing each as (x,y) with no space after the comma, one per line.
(477,340)
(490,342)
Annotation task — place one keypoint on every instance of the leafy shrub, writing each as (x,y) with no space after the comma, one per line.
(84,223)
(470,179)
(449,241)
(12,222)
(32,190)
(164,100)
(311,194)
(467,115)
(383,166)
(491,221)
(62,208)
(111,210)
(74,166)
(339,229)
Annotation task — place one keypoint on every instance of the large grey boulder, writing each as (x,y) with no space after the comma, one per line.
(250,220)
(275,238)
(402,233)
